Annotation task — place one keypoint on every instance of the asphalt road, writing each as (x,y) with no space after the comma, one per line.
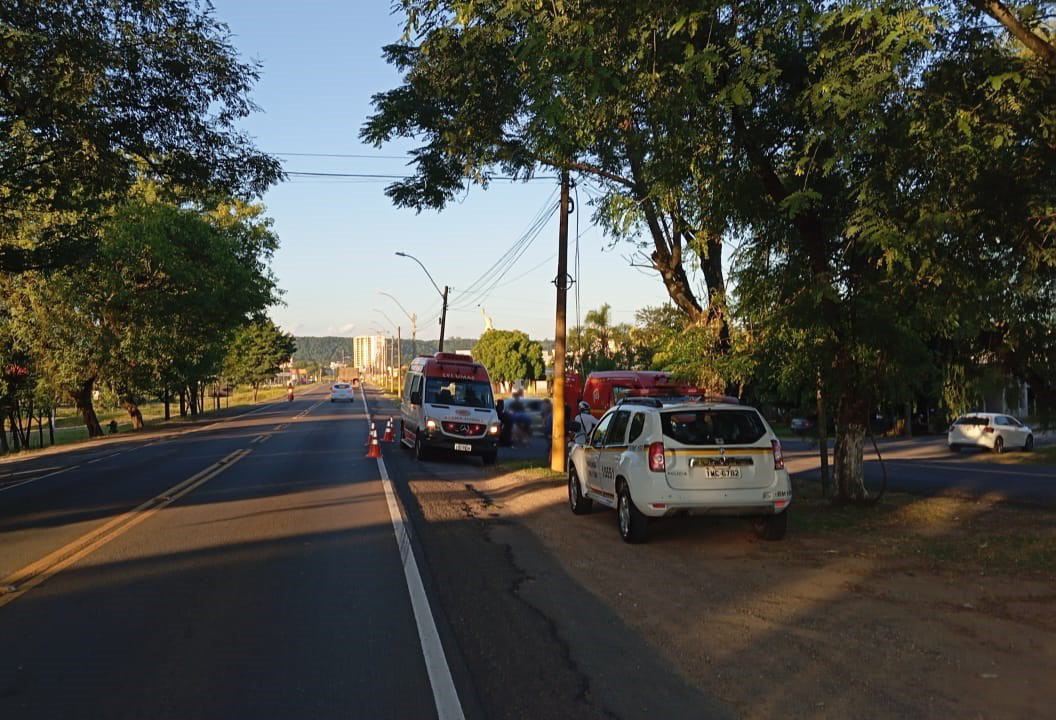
(273,589)
(250,568)
(925,466)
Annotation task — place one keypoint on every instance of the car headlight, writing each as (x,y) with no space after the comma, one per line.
(430,424)
(493,429)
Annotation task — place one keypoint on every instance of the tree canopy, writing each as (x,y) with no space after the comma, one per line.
(256,353)
(509,356)
(150,312)
(93,95)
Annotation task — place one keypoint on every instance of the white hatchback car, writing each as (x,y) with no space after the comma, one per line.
(647,459)
(341,391)
(989,430)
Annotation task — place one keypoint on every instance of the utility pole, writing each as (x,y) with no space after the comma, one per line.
(443,319)
(399,353)
(557,435)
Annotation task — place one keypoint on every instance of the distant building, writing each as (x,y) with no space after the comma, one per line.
(370,353)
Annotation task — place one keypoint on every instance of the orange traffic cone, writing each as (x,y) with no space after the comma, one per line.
(389,437)
(375,449)
(372,435)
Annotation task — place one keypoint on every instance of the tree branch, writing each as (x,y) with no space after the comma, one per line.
(996,9)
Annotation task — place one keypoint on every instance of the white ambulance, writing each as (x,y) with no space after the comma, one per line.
(447,404)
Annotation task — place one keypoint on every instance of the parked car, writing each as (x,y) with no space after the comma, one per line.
(341,391)
(801,425)
(647,459)
(989,430)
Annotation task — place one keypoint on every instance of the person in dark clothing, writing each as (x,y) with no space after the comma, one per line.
(506,424)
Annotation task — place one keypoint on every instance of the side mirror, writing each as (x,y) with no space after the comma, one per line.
(416,398)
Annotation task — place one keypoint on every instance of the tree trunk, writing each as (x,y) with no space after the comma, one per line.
(166,401)
(823,439)
(4,447)
(183,403)
(848,457)
(27,429)
(192,400)
(135,414)
(51,426)
(16,436)
(256,386)
(40,429)
(710,253)
(82,398)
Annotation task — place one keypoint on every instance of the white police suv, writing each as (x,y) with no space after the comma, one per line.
(647,459)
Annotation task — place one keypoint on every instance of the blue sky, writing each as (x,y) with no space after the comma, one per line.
(321,63)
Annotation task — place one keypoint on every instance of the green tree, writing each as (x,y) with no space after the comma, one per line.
(94,93)
(152,310)
(518,87)
(509,355)
(257,352)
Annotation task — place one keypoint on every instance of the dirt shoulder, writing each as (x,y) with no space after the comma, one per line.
(919,608)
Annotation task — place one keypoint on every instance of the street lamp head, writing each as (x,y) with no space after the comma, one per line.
(401,254)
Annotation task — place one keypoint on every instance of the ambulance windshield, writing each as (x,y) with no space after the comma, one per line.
(463,393)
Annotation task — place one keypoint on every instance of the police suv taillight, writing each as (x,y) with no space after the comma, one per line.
(657,463)
(779,457)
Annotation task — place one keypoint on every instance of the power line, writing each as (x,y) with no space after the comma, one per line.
(541,223)
(517,244)
(342,155)
(302,173)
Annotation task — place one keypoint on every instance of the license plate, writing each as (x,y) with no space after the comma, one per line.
(463,447)
(722,472)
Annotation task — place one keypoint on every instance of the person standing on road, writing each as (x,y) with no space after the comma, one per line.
(505,424)
(586,421)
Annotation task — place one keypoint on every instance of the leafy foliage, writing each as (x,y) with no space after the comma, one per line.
(509,355)
(95,93)
(256,353)
(152,310)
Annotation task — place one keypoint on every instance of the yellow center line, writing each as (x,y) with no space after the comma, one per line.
(28,577)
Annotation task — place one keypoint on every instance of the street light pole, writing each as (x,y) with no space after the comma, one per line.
(443,294)
(410,316)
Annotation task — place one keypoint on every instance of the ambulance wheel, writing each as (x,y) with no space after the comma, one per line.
(421,452)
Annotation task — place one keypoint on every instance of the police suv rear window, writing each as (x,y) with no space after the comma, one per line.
(712,427)
(972,420)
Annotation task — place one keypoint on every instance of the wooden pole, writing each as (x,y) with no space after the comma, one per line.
(557,435)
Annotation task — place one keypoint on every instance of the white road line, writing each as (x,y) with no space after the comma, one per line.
(40,477)
(445,696)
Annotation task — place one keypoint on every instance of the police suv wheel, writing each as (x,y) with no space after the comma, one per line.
(579,504)
(632,523)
